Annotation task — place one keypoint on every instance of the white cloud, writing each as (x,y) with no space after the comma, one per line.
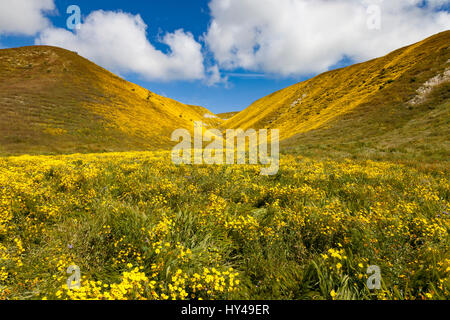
(281,37)
(214,76)
(118,41)
(292,37)
(24,17)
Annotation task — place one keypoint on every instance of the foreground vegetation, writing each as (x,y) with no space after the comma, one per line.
(139,227)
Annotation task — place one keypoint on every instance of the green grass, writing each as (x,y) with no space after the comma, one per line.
(97,111)
(139,209)
(364,108)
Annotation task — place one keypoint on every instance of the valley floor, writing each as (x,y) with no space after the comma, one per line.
(139,227)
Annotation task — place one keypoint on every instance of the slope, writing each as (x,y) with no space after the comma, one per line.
(381,106)
(55,101)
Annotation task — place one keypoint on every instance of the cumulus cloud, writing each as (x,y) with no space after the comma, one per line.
(214,76)
(24,17)
(293,37)
(118,41)
(282,37)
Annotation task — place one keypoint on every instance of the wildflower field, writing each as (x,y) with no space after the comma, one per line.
(139,227)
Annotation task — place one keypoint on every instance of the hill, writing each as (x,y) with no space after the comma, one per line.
(135,226)
(55,101)
(227,115)
(393,106)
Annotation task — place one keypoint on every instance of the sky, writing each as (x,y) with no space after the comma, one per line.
(222,54)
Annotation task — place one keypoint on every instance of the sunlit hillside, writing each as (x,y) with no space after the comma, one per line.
(54,101)
(227,115)
(391,107)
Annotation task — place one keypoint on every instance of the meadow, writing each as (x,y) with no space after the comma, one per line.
(140,227)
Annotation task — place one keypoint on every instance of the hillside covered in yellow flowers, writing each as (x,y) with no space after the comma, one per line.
(54,101)
(393,106)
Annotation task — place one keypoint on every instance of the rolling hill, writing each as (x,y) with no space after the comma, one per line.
(55,101)
(394,106)
(138,227)
(227,115)
(397,106)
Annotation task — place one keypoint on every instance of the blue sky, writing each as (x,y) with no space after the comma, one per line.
(277,57)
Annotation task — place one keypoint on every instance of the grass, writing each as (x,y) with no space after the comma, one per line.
(421,136)
(357,103)
(363,181)
(141,228)
(44,90)
(227,115)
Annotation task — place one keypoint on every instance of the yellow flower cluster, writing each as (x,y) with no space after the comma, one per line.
(136,285)
(140,227)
